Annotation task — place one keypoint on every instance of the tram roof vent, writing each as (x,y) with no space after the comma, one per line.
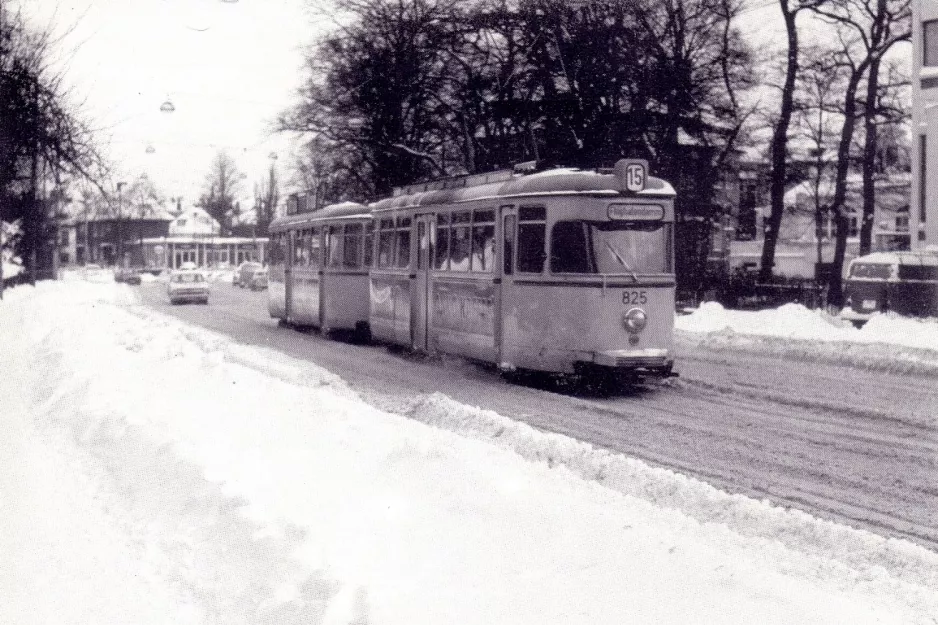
(455,182)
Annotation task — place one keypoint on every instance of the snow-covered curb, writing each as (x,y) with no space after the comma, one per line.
(887,342)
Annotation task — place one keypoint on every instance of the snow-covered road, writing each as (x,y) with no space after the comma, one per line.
(155,470)
(844,431)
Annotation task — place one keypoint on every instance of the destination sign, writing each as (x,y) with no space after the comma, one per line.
(636,212)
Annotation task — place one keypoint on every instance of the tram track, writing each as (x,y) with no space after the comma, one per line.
(856,446)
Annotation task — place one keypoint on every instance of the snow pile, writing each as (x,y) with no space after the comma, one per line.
(260,489)
(887,341)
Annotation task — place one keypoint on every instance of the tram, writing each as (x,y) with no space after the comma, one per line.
(560,270)
(318,274)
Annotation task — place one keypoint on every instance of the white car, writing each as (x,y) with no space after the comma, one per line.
(187,286)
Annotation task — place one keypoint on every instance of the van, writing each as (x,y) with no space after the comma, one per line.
(902,282)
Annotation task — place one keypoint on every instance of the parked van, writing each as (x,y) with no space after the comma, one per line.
(902,282)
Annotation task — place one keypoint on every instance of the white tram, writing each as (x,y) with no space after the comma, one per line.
(319,268)
(564,270)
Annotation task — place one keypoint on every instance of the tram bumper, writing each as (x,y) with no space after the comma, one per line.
(650,359)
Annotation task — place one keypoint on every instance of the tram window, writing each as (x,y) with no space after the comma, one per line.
(403,242)
(460,245)
(351,246)
(569,248)
(531,254)
(464,217)
(509,245)
(423,244)
(609,247)
(532,213)
(275,241)
(298,256)
(334,235)
(483,247)
(315,248)
(483,215)
(369,243)
(442,242)
(386,243)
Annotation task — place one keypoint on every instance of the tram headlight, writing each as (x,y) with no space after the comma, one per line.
(635,320)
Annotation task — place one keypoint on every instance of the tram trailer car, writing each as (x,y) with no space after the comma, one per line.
(564,270)
(902,282)
(318,274)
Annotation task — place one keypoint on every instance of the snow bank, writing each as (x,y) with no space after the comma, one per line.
(268,492)
(886,342)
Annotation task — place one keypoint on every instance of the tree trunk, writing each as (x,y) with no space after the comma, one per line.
(869,159)
(780,147)
(837,207)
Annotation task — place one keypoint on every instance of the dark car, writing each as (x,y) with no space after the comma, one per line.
(127,275)
(242,275)
(258,280)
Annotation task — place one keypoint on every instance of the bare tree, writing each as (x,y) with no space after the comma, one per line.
(820,84)
(42,139)
(780,133)
(866,30)
(266,200)
(877,111)
(222,183)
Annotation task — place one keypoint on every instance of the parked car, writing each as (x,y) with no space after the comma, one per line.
(188,265)
(258,280)
(127,275)
(186,285)
(244,272)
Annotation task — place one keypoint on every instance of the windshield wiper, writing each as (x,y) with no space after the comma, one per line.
(621,260)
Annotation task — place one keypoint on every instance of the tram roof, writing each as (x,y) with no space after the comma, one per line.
(342,210)
(549,182)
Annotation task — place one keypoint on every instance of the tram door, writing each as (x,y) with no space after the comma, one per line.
(506,311)
(288,275)
(420,283)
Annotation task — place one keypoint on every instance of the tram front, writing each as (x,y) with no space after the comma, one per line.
(603,299)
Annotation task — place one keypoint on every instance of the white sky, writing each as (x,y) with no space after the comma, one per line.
(228,68)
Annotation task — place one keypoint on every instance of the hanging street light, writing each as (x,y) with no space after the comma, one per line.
(167,106)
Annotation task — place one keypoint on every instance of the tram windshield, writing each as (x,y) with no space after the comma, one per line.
(610,247)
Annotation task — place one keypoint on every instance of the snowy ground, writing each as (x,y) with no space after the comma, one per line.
(152,472)
(886,341)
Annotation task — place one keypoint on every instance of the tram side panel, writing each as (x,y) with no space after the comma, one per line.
(276,292)
(345,300)
(305,303)
(462,314)
(381,312)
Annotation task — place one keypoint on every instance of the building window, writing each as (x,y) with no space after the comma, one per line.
(902,222)
(930,43)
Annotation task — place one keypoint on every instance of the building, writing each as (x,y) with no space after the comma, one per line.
(799,248)
(103,240)
(163,241)
(924,212)
(194,236)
